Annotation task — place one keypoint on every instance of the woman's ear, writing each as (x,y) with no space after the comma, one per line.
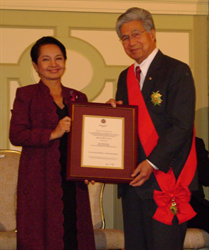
(35,66)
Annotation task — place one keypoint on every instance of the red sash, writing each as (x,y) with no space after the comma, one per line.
(175,195)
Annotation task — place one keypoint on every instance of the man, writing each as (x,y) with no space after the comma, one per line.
(156,202)
(198,201)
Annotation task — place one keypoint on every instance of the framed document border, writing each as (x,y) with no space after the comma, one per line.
(74,169)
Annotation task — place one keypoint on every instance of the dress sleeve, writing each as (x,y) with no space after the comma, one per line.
(22,132)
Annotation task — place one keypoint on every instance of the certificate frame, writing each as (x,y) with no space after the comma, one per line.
(116,168)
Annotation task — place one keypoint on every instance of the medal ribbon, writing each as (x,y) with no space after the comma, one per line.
(175,195)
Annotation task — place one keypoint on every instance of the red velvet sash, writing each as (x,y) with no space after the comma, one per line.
(174,192)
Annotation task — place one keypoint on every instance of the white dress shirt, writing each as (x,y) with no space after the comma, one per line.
(144,66)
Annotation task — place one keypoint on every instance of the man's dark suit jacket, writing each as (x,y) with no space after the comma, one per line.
(173,118)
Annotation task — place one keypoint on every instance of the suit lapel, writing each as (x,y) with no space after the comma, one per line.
(152,75)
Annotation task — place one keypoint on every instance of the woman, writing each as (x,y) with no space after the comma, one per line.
(52,213)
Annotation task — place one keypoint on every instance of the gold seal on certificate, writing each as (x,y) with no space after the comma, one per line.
(102,143)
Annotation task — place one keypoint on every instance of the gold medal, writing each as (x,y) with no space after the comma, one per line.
(173,207)
(156,98)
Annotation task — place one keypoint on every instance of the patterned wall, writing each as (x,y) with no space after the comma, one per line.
(95,55)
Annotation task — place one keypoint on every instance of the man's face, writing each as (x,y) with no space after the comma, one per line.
(138,43)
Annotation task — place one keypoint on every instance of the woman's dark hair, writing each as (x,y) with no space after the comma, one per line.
(35,50)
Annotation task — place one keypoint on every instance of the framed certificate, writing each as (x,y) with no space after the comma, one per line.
(102,144)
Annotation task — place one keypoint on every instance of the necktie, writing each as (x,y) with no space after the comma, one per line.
(138,71)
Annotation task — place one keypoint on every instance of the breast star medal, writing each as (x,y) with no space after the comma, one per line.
(156,98)
(173,207)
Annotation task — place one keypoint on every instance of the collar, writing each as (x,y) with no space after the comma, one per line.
(144,66)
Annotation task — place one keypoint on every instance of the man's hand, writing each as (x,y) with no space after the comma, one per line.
(141,174)
(114,102)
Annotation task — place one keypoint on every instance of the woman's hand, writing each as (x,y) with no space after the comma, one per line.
(87,182)
(62,127)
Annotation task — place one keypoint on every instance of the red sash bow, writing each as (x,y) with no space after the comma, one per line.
(175,195)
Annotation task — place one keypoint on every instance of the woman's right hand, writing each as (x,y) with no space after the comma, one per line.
(62,127)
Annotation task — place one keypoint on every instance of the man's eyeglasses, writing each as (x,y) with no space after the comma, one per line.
(134,35)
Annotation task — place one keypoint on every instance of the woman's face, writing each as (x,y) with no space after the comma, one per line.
(50,64)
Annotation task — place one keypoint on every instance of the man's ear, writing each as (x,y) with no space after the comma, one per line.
(153,34)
